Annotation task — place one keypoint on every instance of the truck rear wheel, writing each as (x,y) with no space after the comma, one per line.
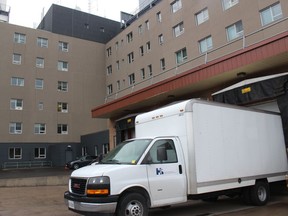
(132,204)
(260,193)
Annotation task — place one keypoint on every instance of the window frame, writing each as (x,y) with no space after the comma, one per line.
(19,38)
(63,46)
(183,56)
(40,62)
(60,129)
(17,58)
(226,4)
(15,128)
(206,43)
(16,104)
(38,153)
(42,42)
(39,128)
(62,107)
(178,29)
(131,79)
(202,16)
(62,86)
(37,82)
(17,81)
(235,32)
(16,156)
(62,66)
(176,6)
(272,17)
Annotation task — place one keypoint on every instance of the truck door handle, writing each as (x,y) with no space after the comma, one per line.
(180,169)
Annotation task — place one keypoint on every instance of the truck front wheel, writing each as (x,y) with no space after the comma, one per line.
(132,204)
(260,193)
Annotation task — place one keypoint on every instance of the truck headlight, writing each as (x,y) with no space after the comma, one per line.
(98,186)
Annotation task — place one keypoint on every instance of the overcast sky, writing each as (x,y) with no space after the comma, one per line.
(28,12)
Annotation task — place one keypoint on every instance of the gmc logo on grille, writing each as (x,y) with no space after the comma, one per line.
(77,186)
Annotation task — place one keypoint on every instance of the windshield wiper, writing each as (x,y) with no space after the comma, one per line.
(111,161)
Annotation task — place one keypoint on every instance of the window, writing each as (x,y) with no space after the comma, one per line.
(15,153)
(205,44)
(62,66)
(40,62)
(17,81)
(178,30)
(202,16)
(176,5)
(42,42)
(105,148)
(40,105)
(229,3)
(168,146)
(131,79)
(147,24)
(39,128)
(150,70)
(130,57)
(162,64)
(109,51)
(62,107)
(39,83)
(159,17)
(118,85)
(19,38)
(118,65)
(109,89)
(40,153)
(142,72)
(62,129)
(16,58)
(140,29)
(15,128)
(62,86)
(271,14)
(129,37)
(148,46)
(141,51)
(181,56)
(117,45)
(161,39)
(234,31)
(16,104)
(109,70)
(63,46)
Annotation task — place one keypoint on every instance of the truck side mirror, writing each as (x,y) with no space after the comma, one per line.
(161,154)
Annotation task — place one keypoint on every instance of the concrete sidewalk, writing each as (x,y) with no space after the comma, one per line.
(34,177)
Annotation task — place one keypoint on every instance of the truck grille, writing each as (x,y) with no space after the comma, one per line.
(78,186)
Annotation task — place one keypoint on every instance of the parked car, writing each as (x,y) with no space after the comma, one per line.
(80,162)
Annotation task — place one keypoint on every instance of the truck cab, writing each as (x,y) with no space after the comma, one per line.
(136,175)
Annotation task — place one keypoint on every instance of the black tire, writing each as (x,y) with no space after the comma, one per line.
(76,166)
(260,193)
(132,204)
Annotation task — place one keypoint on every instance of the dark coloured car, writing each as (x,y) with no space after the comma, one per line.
(80,162)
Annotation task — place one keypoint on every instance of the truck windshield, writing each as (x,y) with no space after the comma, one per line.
(128,152)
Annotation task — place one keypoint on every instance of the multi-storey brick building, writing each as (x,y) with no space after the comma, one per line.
(180,49)
(168,51)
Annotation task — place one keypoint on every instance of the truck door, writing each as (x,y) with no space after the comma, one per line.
(166,173)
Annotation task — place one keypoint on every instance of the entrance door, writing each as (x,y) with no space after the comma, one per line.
(167,179)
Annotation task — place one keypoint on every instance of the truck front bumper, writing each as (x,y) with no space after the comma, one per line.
(90,204)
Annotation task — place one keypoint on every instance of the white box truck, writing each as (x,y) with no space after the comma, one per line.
(193,149)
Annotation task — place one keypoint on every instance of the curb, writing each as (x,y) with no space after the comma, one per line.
(35,181)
